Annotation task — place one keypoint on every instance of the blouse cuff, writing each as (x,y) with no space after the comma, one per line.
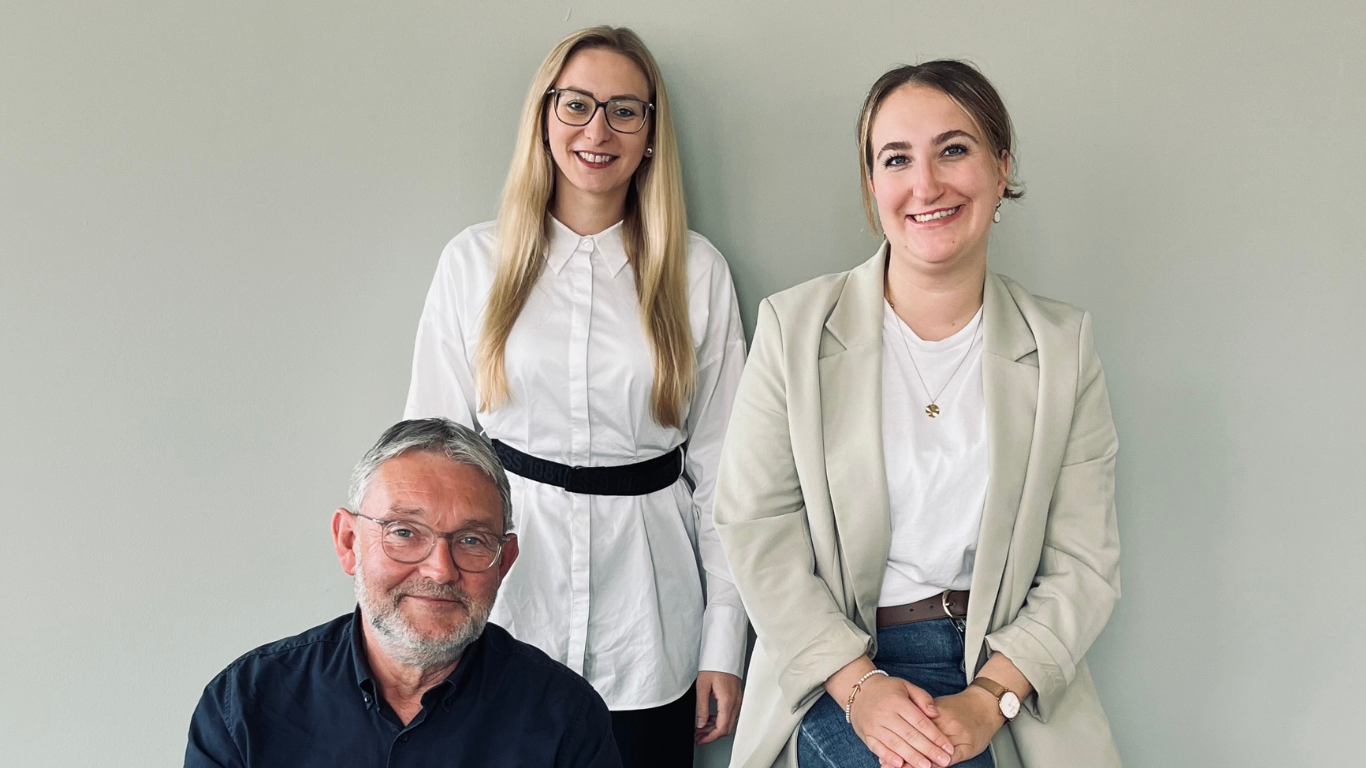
(724,639)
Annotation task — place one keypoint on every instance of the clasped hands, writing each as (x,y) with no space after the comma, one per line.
(905,726)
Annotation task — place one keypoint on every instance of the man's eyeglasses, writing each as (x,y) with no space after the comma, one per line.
(408,541)
(578,108)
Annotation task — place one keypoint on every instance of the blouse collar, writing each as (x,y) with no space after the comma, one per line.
(564,243)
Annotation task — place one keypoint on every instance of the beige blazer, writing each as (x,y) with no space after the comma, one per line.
(802,509)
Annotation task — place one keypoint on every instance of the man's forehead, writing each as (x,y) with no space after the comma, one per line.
(400,511)
(426,486)
(425,472)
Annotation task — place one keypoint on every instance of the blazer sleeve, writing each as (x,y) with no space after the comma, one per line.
(761,517)
(1077,583)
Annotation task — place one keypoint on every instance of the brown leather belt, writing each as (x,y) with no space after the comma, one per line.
(946,605)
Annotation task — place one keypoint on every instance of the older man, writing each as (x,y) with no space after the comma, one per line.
(415,675)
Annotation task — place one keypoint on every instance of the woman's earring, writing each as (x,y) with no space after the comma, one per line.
(649,151)
(996,217)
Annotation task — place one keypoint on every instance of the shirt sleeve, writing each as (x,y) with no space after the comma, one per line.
(590,743)
(721,359)
(443,379)
(211,744)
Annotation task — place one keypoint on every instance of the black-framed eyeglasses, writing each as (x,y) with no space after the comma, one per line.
(578,108)
(408,541)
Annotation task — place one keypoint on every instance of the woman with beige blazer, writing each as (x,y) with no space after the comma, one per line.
(916,493)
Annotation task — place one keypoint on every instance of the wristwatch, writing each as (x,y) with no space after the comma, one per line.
(1005,698)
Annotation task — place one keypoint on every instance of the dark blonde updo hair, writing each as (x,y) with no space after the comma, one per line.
(968,88)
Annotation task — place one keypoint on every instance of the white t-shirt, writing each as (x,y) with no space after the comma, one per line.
(936,467)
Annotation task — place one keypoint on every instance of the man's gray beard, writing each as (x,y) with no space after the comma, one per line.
(404,644)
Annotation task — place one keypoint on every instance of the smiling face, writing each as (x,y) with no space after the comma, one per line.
(593,159)
(936,179)
(423,614)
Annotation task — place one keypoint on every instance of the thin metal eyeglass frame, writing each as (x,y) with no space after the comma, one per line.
(644,119)
(449,537)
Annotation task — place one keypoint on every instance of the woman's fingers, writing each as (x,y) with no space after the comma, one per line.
(727,693)
(916,718)
(702,710)
(923,700)
(904,749)
(726,690)
(891,712)
(886,757)
(922,744)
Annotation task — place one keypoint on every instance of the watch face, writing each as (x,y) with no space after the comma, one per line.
(1010,705)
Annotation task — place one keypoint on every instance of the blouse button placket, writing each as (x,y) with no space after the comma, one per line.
(581,271)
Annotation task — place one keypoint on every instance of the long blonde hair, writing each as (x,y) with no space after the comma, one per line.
(655,233)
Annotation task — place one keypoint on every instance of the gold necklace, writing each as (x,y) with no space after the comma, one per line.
(931,410)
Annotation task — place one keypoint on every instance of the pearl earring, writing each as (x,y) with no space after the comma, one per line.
(996,217)
(649,151)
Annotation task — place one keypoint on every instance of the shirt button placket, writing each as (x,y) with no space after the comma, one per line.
(399,757)
(579,527)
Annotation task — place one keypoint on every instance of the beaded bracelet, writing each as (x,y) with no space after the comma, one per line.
(850,703)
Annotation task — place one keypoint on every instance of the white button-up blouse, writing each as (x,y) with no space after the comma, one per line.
(612,586)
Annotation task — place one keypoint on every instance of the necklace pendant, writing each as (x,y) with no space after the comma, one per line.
(932,410)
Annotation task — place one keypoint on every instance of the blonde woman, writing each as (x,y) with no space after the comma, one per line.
(917,492)
(598,343)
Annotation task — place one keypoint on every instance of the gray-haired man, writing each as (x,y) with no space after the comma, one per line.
(415,675)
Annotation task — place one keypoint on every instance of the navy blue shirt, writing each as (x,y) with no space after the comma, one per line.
(311,700)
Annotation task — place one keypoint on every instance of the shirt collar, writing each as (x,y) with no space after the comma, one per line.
(564,243)
(365,677)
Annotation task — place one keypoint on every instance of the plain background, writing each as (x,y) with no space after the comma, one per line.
(218,222)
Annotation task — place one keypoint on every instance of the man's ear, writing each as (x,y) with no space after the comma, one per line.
(344,539)
(508,556)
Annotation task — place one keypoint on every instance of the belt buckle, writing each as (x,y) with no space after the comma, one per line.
(569,484)
(944,603)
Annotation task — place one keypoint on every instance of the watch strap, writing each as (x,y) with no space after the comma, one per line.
(994,688)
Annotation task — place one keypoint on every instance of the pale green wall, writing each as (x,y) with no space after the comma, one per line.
(218,222)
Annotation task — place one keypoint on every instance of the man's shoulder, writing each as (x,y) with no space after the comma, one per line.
(533,664)
(538,693)
(324,639)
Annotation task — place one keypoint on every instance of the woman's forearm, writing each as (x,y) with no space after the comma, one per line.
(1003,671)
(842,682)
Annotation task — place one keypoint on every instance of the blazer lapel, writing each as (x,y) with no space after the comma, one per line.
(851,421)
(1010,387)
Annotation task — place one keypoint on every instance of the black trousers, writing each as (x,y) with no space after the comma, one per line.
(659,737)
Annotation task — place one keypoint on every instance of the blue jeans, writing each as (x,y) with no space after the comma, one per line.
(928,654)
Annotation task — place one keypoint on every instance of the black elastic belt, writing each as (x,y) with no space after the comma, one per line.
(627,480)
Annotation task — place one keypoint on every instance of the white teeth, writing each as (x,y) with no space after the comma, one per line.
(592,158)
(937,214)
